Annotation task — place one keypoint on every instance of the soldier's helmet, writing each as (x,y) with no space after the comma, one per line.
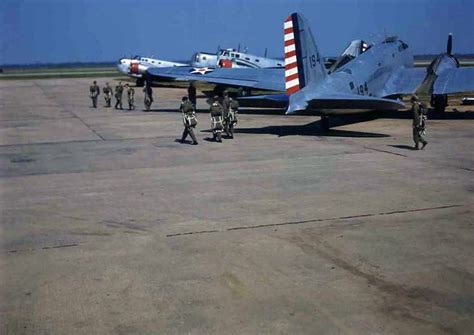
(226,93)
(216,97)
(185,98)
(414,98)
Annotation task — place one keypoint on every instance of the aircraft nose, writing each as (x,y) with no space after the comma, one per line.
(122,66)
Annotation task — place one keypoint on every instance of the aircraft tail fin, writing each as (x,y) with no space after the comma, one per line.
(303,63)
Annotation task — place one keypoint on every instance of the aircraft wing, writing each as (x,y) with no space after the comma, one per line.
(404,82)
(455,80)
(271,79)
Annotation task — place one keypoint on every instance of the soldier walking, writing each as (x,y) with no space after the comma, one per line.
(148,96)
(94,93)
(107,94)
(131,96)
(225,112)
(192,93)
(419,123)
(232,119)
(189,120)
(216,119)
(118,95)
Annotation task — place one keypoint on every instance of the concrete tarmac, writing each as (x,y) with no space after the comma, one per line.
(110,226)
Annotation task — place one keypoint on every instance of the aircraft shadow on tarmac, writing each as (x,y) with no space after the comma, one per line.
(313,128)
(310,129)
(451,114)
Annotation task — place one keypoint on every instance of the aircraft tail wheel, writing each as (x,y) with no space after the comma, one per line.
(140,82)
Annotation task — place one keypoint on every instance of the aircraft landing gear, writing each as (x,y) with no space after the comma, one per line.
(243,92)
(325,123)
(439,102)
(219,90)
(140,82)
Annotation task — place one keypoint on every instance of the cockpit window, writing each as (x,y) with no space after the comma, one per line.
(356,48)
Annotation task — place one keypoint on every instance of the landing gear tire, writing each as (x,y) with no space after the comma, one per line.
(140,82)
(219,90)
(324,123)
(439,102)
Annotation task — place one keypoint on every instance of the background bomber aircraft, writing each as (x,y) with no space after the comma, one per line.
(373,79)
(137,66)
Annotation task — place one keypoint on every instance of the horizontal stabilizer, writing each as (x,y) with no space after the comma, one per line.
(347,102)
(269,101)
(455,80)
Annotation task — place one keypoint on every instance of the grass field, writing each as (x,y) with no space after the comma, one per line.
(59,72)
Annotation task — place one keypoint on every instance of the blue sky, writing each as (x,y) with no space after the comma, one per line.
(43,31)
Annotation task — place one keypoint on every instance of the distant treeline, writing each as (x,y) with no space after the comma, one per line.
(112,63)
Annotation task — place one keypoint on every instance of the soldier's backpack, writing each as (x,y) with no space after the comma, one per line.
(217,123)
(187,107)
(423,118)
(189,118)
(216,110)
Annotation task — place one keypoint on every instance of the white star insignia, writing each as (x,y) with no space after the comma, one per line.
(201,70)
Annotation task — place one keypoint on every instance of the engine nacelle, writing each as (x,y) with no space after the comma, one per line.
(134,68)
(225,63)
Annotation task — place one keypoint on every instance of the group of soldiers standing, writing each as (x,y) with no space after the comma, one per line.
(119,89)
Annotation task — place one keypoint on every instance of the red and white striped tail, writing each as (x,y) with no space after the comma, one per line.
(292,82)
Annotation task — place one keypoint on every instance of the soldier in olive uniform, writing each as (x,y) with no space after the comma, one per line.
(189,120)
(192,93)
(130,95)
(94,93)
(225,109)
(419,123)
(233,110)
(107,94)
(216,119)
(148,96)
(118,95)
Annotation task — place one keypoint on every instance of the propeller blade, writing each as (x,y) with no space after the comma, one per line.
(449,47)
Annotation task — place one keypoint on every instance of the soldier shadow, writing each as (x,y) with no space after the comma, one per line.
(402,146)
